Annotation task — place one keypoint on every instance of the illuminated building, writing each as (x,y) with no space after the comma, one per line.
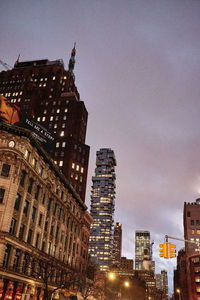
(102,208)
(43,221)
(117,244)
(162,283)
(46,91)
(142,249)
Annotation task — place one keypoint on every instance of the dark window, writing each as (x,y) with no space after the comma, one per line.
(16,259)
(43,199)
(57,232)
(62,195)
(12,226)
(37,240)
(192,222)
(26,206)
(52,227)
(188,214)
(2,192)
(46,224)
(49,204)
(30,232)
(33,213)
(21,231)
(40,220)
(43,245)
(22,179)
(7,255)
(5,170)
(59,213)
(54,210)
(37,192)
(17,201)
(30,185)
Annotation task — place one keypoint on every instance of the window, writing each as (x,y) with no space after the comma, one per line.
(82,170)
(5,170)
(6,255)
(57,144)
(77,168)
(33,213)
(61,163)
(16,259)
(192,222)
(40,220)
(29,238)
(37,240)
(65,117)
(66,109)
(40,170)
(49,204)
(22,179)
(30,185)
(55,125)
(43,119)
(63,125)
(58,110)
(21,231)
(188,214)
(27,155)
(54,210)
(17,202)
(62,133)
(26,206)
(2,192)
(73,165)
(12,226)
(37,192)
(34,162)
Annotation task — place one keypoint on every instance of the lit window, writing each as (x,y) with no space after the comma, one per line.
(51,118)
(77,168)
(63,144)
(45,111)
(55,162)
(63,125)
(81,178)
(57,144)
(20,93)
(45,79)
(19,99)
(73,165)
(76,177)
(41,79)
(64,117)
(44,84)
(55,125)
(54,77)
(61,163)
(62,133)
(198,231)
(38,119)
(50,96)
(82,170)
(58,110)
(43,119)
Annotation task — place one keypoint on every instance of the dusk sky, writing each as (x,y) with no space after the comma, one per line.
(138,72)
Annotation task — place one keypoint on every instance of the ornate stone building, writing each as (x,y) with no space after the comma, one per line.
(44,224)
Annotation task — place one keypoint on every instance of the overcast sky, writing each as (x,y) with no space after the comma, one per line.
(138,72)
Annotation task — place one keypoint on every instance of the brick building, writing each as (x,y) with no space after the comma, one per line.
(46,91)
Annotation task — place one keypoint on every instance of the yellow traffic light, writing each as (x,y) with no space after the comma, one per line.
(164,252)
(172,250)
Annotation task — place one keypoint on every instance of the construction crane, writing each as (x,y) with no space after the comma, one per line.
(5,65)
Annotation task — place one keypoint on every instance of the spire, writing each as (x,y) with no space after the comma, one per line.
(17,61)
(72,61)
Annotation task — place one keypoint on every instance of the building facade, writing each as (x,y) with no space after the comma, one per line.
(191,221)
(162,283)
(117,244)
(102,209)
(46,91)
(142,249)
(44,224)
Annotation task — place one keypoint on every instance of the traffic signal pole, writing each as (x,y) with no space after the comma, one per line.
(183,240)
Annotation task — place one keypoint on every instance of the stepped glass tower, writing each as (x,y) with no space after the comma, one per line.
(102,209)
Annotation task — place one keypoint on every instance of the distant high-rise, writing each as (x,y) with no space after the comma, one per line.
(117,245)
(102,208)
(47,92)
(142,249)
(162,283)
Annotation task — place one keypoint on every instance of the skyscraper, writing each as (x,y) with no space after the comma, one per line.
(117,245)
(102,208)
(142,249)
(46,91)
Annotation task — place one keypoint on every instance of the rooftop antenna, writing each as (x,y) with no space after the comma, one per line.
(17,61)
(72,61)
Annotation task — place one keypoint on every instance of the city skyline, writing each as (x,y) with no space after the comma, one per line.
(137,70)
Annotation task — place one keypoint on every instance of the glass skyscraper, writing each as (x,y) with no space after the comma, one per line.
(102,209)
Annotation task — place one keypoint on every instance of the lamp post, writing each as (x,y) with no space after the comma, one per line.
(179,293)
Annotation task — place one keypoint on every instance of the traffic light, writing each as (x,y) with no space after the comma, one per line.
(172,250)
(164,250)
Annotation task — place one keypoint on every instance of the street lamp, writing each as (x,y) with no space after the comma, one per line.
(179,293)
